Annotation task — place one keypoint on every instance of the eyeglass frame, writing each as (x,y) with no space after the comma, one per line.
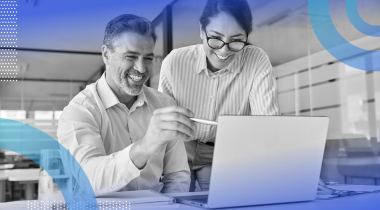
(225,43)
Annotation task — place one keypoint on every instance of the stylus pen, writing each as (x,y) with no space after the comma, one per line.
(208,122)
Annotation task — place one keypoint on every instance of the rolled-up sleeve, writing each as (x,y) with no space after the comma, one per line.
(79,132)
(263,95)
(176,174)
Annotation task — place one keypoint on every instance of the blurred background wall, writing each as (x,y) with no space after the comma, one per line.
(58,54)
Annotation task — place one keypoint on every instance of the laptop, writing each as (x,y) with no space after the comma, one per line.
(264,160)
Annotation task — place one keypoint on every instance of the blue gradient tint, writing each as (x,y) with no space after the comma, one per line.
(358,22)
(75,25)
(334,43)
(23,139)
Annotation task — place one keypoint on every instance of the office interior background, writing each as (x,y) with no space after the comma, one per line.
(58,54)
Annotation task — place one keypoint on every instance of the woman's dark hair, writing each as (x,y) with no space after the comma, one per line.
(238,9)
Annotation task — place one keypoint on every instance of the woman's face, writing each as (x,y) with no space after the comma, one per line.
(226,28)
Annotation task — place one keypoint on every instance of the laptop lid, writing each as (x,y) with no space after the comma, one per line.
(266,160)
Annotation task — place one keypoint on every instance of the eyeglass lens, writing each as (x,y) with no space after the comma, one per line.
(217,44)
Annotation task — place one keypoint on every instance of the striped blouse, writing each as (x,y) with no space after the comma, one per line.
(247,86)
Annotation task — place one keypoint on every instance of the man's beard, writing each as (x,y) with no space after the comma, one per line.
(126,86)
(131,89)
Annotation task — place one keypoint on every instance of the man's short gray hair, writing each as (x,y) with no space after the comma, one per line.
(127,23)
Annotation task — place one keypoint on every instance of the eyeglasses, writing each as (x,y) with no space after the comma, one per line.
(215,43)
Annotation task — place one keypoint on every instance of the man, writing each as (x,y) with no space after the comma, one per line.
(125,135)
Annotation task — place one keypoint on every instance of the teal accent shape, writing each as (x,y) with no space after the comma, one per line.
(358,22)
(22,138)
(335,44)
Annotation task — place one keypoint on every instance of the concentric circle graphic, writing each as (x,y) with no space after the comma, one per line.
(358,22)
(335,44)
(23,138)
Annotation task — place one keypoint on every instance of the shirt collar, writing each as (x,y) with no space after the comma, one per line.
(109,98)
(235,66)
(140,101)
(142,97)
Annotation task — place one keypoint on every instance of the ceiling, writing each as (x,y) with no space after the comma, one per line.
(75,24)
(60,28)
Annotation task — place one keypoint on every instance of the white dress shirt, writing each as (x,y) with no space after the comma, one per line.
(99,131)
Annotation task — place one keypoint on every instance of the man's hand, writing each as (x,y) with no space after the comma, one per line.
(166,124)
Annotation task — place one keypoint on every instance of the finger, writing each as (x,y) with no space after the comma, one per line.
(177,127)
(177,109)
(175,135)
(177,117)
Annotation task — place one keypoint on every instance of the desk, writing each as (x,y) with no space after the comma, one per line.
(12,153)
(6,166)
(25,176)
(363,167)
(357,202)
(369,201)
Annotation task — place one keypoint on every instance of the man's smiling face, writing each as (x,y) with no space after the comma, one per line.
(130,61)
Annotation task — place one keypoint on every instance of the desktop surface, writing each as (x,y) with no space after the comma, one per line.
(369,201)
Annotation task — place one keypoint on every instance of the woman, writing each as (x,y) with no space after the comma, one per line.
(223,76)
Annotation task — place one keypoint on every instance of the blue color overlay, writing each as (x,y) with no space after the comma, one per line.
(24,139)
(358,22)
(335,44)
